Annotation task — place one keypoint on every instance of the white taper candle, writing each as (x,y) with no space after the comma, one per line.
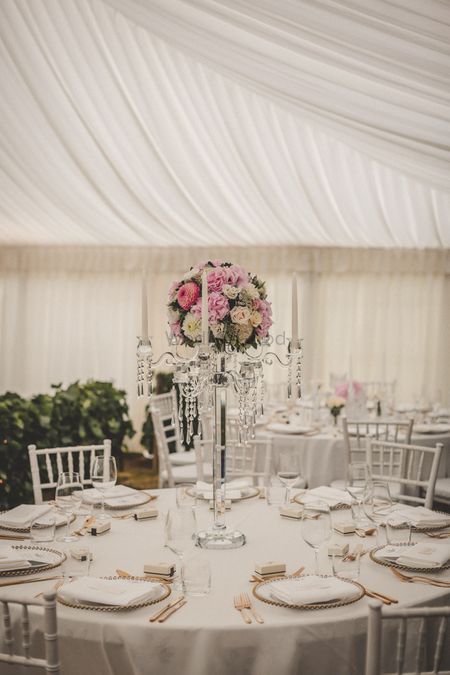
(144,313)
(205,330)
(294,311)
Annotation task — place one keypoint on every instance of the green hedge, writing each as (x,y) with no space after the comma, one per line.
(81,414)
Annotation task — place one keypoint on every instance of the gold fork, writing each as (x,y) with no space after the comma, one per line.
(245,599)
(422,580)
(241,609)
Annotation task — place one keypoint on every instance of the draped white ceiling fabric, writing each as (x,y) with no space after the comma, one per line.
(225,122)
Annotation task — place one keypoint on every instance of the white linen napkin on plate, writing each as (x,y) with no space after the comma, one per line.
(233,490)
(23,515)
(418,516)
(312,590)
(424,554)
(11,559)
(92,495)
(332,496)
(119,592)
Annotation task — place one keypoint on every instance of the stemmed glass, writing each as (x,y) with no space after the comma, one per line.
(180,526)
(316,527)
(358,480)
(68,496)
(377,504)
(103,477)
(287,466)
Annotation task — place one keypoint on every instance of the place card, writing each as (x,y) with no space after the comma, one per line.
(161,569)
(270,568)
(338,549)
(344,527)
(291,512)
(99,528)
(145,514)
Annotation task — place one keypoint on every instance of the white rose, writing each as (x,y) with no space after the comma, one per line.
(230,292)
(255,318)
(192,326)
(249,292)
(218,330)
(240,315)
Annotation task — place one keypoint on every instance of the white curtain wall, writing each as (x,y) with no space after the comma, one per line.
(62,324)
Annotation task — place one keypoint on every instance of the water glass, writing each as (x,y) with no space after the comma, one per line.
(397,534)
(103,477)
(78,561)
(43,528)
(348,569)
(68,497)
(316,527)
(287,465)
(185,495)
(276,495)
(357,482)
(196,573)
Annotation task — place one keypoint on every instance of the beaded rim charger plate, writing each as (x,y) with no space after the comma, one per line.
(391,563)
(144,499)
(253,492)
(164,593)
(261,592)
(59,558)
(338,507)
(427,528)
(25,530)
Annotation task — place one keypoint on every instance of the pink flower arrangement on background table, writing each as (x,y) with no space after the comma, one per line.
(343,389)
(239,314)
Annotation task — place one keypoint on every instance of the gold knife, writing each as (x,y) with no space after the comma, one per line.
(162,611)
(172,611)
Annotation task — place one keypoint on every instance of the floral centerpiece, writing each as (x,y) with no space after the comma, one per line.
(239,314)
(335,404)
(343,389)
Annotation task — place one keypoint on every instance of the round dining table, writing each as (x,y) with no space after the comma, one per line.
(207,635)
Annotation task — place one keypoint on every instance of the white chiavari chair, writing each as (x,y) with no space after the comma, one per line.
(374,651)
(48,463)
(51,661)
(413,468)
(250,460)
(355,433)
(167,408)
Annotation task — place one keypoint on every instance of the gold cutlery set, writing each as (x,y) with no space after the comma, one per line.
(243,605)
(420,580)
(162,614)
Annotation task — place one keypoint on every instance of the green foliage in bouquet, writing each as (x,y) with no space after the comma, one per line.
(81,414)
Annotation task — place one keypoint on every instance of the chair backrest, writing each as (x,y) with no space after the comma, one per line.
(242,459)
(356,431)
(166,405)
(411,466)
(52,461)
(374,638)
(162,444)
(51,661)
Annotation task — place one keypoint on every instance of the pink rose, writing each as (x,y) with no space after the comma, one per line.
(173,290)
(216,279)
(342,389)
(236,275)
(218,307)
(188,294)
(265,310)
(196,309)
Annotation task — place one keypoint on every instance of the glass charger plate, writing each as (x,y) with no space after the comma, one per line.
(250,493)
(427,528)
(164,593)
(390,563)
(262,592)
(338,507)
(124,502)
(294,429)
(53,557)
(60,521)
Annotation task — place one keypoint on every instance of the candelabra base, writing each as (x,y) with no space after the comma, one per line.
(220,539)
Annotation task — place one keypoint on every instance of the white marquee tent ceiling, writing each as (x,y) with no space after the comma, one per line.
(228,122)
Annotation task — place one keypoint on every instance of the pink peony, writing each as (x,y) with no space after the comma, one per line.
(216,279)
(265,310)
(196,309)
(218,307)
(236,275)
(173,290)
(188,294)
(342,389)
(176,328)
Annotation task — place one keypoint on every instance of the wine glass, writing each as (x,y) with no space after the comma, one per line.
(103,477)
(287,466)
(316,527)
(358,479)
(377,504)
(180,526)
(68,496)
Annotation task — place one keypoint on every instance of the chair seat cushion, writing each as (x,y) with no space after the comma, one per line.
(188,474)
(442,488)
(182,458)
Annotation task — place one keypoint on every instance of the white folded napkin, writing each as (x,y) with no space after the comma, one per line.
(312,590)
(332,496)
(233,490)
(12,560)
(130,500)
(119,592)
(418,516)
(92,495)
(432,555)
(23,515)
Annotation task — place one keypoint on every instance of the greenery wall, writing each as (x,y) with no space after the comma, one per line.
(80,414)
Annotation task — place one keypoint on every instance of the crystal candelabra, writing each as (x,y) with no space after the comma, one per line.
(203,379)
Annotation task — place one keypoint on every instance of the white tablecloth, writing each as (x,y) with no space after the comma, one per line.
(323,458)
(208,635)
